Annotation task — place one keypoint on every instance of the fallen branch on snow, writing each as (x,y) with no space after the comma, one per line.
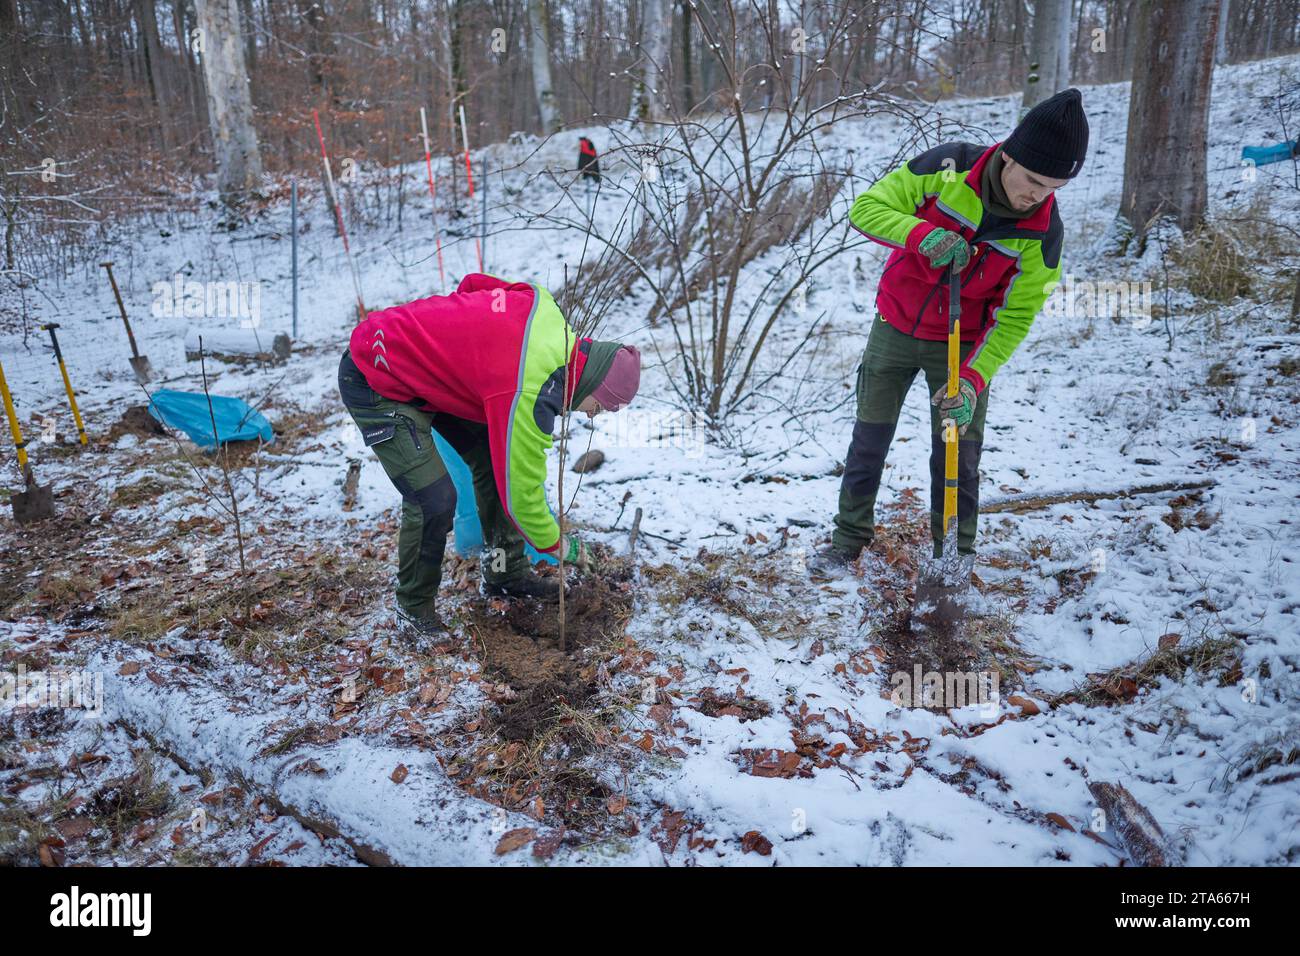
(1021,503)
(1138,831)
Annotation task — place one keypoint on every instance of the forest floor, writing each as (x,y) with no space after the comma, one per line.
(711,705)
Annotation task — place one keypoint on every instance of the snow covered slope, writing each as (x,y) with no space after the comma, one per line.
(1185,600)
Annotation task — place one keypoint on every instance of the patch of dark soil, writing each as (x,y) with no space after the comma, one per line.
(585,803)
(520,644)
(297,430)
(536,708)
(968,775)
(136,420)
(594,610)
(929,645)
(197,660)
(517,659)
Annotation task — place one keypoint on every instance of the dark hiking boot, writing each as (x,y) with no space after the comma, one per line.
(829,563)
(420,632)
(529,586)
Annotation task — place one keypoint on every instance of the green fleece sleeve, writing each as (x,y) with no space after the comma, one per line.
(1023,295)
(886,211)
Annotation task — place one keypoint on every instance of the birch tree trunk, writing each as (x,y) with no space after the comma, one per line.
(1221,40)
(539,51)
(1168,116)
(234,139)
(651,91)
(688,86)
(1049,53)
(230,107)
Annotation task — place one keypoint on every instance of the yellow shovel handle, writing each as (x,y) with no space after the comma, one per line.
(13,421)
(950,427)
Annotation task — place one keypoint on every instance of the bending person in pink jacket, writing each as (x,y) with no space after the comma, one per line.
(485,367)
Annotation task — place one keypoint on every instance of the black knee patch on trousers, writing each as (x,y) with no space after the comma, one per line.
(968,476)
(866,458)
(437,504)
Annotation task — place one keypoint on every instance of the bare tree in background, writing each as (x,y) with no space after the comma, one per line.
(320,45)
(1221,40)
(539,52)
(709,193)
(230,106)
(147,16)
(370,65)
(1049,53)
(1168,117)
(651,91)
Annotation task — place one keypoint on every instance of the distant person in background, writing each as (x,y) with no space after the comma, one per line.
(485,367)
(989,212)
(588,161)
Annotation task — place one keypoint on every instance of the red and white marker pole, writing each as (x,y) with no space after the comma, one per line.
(433,195)
(338,212)
(469,177)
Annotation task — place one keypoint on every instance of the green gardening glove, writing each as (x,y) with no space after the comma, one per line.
(576,553)
(943,247)
(960,408)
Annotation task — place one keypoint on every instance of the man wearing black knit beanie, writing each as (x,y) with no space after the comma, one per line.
(989,214)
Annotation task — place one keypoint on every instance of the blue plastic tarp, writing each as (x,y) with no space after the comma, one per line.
(1263,155)
(188,411)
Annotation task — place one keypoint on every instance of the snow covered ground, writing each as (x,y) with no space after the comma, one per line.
(752,710)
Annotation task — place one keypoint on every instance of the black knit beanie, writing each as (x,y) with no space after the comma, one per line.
(1052,139)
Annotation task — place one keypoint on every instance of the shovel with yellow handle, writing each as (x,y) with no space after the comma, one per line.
(37,501)
(943,580)
(67,382)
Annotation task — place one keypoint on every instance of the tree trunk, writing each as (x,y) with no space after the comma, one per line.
(913,49)
(868,57)
(146,13)
(184,29)
(250,37)
(1168,117)
(451,39)
(11,49)
(1049,53)
(319,46)
(1017,36)
(652,91)
(775,34)
(230,107)
(1221,40)
(539,51)
(1133,12)
(688,86)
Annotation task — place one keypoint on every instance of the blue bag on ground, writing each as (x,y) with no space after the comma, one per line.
(1263,155)
(469,531)
(188,411)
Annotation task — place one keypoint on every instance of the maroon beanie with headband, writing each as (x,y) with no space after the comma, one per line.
(620,383)
(611,375)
